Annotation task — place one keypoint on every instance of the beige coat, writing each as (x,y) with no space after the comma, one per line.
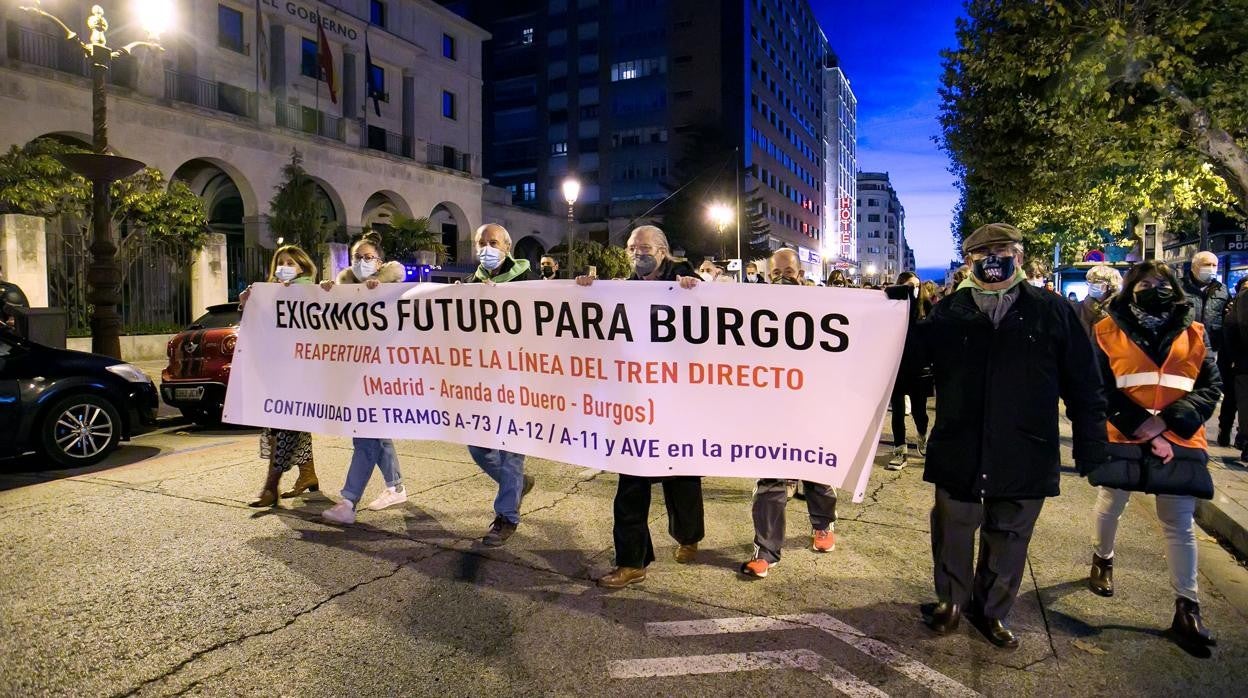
(390,272)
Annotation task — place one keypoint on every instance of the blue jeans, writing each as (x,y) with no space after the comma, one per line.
(370,452)
(507,469)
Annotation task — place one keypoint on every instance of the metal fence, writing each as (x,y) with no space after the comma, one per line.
(155,293)
(389,142)
(245,266)
(218,96)
(309,120)
(448,156)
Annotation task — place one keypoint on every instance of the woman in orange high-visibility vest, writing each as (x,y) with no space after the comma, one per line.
(1162,385)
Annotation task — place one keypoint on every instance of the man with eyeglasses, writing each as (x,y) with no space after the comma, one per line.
(1002,353)
(650,256)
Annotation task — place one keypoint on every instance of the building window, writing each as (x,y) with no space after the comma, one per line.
(640,68)
(530,191)
(230,29)
(448,46)
(309,65)
(526,36)
(377,13)
(873,218)
(559,148)
(377,81)
(448,104)
(873,202)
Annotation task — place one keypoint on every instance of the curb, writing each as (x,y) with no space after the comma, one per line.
(1226,519)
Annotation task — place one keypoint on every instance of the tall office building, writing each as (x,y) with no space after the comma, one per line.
(882,249)
(611,93)
(840,139)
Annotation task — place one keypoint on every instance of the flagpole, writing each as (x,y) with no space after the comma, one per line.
(259,29)
(367,84)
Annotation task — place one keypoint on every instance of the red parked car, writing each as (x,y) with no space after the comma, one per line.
(199,364)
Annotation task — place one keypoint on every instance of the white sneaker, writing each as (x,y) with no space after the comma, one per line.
(342,513)
(390,497)
(898,460)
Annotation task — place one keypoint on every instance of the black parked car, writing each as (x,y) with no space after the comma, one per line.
(70,406)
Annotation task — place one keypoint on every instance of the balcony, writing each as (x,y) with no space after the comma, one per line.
(390,142)
(217,96)
(309,120)
(448,157)
(52,51)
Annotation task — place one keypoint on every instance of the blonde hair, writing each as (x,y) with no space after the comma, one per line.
(306,266)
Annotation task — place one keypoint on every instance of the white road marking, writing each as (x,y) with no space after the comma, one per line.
(899,661)
(804,660)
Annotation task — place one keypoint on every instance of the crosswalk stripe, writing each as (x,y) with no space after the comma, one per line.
(805,660)
(897,660)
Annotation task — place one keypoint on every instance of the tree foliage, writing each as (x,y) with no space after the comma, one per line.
(146,208)
(611,262)
(702,176)
(1072,115)
(297,213)
(407,236)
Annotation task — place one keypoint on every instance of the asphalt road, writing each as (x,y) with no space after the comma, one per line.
(149,575)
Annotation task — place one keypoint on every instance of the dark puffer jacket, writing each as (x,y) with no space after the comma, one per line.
(996,430)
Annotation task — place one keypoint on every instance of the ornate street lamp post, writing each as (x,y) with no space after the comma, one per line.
(571,190)
(104,274)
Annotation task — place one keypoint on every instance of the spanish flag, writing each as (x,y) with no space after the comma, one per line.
(325,60)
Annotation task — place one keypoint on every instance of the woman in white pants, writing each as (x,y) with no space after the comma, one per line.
(1162,386)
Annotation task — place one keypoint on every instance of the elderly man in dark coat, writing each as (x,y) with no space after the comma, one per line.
(1002,353)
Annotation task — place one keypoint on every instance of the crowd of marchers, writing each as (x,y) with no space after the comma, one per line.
(1136,365)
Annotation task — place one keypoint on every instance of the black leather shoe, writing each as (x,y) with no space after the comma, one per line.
(1101,578)
(1188,627)
(1224,438)
(941,617)
(995,631)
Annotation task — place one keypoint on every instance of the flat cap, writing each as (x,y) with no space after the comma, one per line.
(991,234)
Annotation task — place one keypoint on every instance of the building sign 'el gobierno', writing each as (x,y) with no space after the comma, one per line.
(334,26)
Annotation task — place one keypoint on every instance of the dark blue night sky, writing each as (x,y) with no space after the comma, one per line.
(890,51)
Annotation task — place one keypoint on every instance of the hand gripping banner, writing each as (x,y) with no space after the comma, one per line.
(644,378)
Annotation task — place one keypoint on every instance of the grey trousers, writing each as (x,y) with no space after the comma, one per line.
(990,586)
(770,499)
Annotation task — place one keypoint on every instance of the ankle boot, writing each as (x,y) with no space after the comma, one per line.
(268,495)
(1101,578)
(1188,627)
(306,481)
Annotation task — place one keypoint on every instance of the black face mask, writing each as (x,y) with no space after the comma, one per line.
(993,269)
(789,281)
(548,272)
(1157,300)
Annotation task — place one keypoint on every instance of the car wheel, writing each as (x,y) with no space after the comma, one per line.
(204,418)
(79,430)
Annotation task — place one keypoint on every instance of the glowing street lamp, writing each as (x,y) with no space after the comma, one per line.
(571,190)
(103,274)
(721,215)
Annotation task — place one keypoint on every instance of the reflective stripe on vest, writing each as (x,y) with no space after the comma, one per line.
(1148,385)
(1165,380)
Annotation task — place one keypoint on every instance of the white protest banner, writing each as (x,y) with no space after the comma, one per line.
(640,378)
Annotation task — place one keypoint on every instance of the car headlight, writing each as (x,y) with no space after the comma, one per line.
(129,372)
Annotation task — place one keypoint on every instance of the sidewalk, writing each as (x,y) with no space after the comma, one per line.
(1226,515)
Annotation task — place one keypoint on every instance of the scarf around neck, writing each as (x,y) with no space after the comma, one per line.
(1149,322)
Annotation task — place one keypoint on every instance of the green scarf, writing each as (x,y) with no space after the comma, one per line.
(518,268)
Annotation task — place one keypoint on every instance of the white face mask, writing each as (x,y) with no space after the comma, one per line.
(491,258)
(1038,283)
(363,269)
(286,273)
(1206,275)
(1097,291)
